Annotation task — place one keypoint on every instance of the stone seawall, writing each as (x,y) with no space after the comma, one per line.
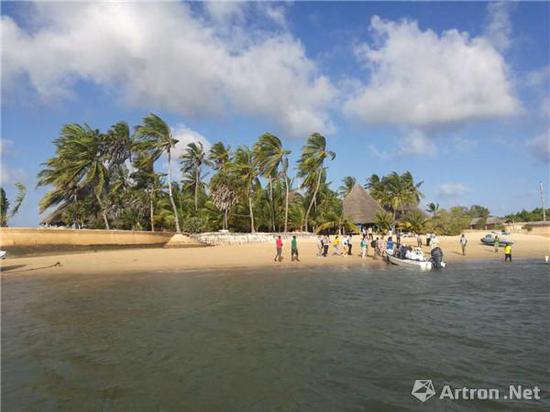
(40,237)
(218,238)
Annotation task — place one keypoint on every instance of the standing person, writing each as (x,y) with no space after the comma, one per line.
(398,236)
(279,246)
(463,242)
(363,245)
(377,246)
(320,246)
(418,240)
(389,243)
(497,243)
(508,252)
(369,231)
(294,249)
(428,238)
(336,245)
(350,244)
(326,244)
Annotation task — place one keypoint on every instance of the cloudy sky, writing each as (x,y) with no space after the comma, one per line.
(457,93)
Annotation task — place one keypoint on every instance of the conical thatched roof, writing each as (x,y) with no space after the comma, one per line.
(360,207)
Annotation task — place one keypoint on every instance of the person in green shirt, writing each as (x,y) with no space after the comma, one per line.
(294,249)
(496,244)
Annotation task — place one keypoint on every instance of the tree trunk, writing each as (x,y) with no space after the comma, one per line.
(151,211)
(105,220)
(252,229)
(225,213)
(312,200)
(178,230)
(272,205)
(286,203)
(196,189)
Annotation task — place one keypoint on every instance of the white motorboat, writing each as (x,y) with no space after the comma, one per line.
(418,261)
(3,254)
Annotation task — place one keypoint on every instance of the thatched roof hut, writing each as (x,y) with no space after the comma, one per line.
(360,207)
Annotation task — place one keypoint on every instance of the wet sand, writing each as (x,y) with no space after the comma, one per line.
(248,256)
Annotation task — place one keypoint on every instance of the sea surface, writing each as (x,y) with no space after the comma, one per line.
(299,339)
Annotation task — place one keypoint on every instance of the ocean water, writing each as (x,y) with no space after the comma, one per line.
(300,339)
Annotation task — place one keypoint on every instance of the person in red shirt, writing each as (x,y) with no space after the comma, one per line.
(279,245)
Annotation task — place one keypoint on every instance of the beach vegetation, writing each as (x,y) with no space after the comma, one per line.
(6,213)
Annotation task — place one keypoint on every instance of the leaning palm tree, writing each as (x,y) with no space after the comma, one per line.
(270,159)
(6,212)
(347,185)
(220,156)
(192,161)
(245,170)
(156,137)
(311,166)
(79,166)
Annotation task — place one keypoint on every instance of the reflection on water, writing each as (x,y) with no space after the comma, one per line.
(345,339)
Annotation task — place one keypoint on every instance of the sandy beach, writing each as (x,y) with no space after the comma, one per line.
(248,256)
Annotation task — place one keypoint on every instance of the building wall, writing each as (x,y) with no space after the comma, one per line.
(30,237)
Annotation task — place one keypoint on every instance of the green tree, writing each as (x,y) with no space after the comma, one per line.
(78,166)
(347,185)
(192,162)
(415,221)
(432,208)
(311,167)
(245,170)
(5,212)
(271,160)
(156,137)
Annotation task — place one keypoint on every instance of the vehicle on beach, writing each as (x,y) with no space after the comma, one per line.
(489,240)
(3,254)
(416,260)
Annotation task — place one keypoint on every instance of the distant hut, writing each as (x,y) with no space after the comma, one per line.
(491,222)
(360,207)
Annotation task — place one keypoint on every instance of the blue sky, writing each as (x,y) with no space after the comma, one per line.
(457,93)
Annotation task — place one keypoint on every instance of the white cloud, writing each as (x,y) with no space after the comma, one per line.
(540,146)
(162,55)
(416,143)
(463,145)
(499,26)
(185,135)
(451,190)
(10,175)
(5,147)
(424,78)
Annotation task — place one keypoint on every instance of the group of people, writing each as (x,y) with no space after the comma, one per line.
(463,241)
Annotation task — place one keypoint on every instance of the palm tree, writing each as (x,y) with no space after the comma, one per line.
(383,221)
(432,208)
(192,161)
(414,221)
(220,156)
(269,157)
(79,166)
(347,185)
(311,166)
(155,135)
(245,170)
(224,193)
(5,212)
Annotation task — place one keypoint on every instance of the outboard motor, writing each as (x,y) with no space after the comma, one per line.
(437,257)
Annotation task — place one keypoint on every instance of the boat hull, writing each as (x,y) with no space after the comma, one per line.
(424,266)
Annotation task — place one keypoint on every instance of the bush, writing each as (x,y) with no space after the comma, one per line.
(193,225)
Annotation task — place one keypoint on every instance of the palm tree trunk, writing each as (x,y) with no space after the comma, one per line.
(312,200)
(272,205)
(196,188)
(286,203)
(225,213)
(105,220)
(151,211)
(178,230)
(252,229)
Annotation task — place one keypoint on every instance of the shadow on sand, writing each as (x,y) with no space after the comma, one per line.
(10,267)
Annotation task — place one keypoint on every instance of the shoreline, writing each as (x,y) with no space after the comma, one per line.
(246,256)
